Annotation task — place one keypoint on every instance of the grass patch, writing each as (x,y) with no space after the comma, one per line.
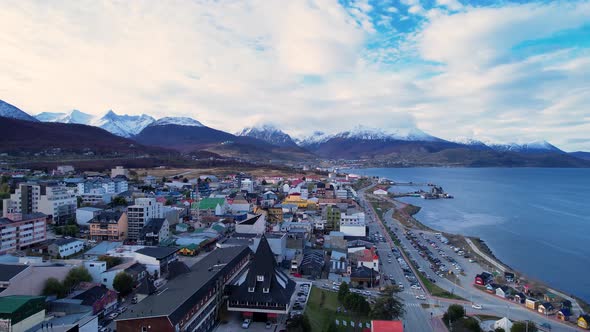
(322,309)
(487,317)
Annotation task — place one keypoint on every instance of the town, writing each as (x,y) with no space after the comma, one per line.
(182,250)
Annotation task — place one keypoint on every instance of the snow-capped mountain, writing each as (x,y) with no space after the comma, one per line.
(74,116)
(399,134)
(179,121)
(122,125)
(531,147)
(269,134)
(10,111)
(317,137)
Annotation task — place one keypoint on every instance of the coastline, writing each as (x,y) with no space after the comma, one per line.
(460,240)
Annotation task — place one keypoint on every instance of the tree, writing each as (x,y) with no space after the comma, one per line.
(111,260)
(332,327)
(299,323)
(471,324)
(119,201)
(357,303)
(499,329)
(54,287)
(453,313)
(343,291)
(75,276)
(123,283)
(388,305)
(522,327)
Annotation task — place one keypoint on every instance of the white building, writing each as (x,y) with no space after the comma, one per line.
(20,231)
(140,213)
(353,224)
(247,185)
(341,193)
(119,170)
(254,224)
(96,269)
(380,192)
(65,247)
(55,201)
(104,186)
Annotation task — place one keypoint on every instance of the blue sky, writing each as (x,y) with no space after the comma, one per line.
(493,70)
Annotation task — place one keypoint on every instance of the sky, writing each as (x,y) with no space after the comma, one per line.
(493,70)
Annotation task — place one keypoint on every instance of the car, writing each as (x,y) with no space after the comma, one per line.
(420,297)
(477,306)
(268,325)
(134,300)
(246,323)
(415,287)
(335,287)
(104,329)
(122,310)
(113,315)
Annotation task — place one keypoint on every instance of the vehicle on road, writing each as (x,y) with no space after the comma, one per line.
(246,323)
(420,297)
(415,287)
(477,306)
(113,315)
(268,325)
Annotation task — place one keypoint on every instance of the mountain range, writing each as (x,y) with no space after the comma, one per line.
(396,146)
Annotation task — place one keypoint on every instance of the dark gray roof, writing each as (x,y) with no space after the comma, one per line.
(90,296)
(64,241)
(181,294)
(157,252)
(154,225)
(250,221)
(9,271)
(106,217)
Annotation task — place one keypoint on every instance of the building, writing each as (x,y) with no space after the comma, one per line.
(503,291)
(387,326)
(380,192)
(546,308)
(65,247)
(9,273)
(140,213)
(264,291)
(109,226)
(103,186)
(85,214)
(240,205)
(100,298)
(353,224)
(367,258)
(156,231)
(19,313)
(483,278)
(156,259)
(192,300)
(134,269)
(505,324)
(20,231)
(212,206)
(564,314)
(254,224)
(57,202)
(531,303)
(119,171)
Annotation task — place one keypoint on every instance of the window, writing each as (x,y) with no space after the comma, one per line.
(265,290)
(251,289)
(259,278)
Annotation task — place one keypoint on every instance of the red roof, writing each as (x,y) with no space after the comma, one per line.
(387,326)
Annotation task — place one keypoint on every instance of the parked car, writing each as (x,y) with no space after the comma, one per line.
(268,325)
(421,297)
(246,323)
(477,306)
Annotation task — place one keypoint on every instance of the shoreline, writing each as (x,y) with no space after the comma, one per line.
(482,246)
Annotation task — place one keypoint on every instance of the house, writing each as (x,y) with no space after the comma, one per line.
(313,263)
(109,226)
(338,262)
(564,314)
(65,247)
(503,291)
(380,192)
(367,258)
(483,278)
(277,243)
(240,205)
(545,308)
(549,297)
(532,304)
(504,324)
(191,301)
(212,206)
(21,313)
(584,322)
(100,298)
(254,224)
(265,291)
(364,276)
(155,232)
(134,269)
(520,297)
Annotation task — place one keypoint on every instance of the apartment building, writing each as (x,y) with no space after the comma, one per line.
(101,185)
(57,202)
(19,231)
(109,226)
(140,213)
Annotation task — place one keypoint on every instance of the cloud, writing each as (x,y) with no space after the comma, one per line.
(454,69)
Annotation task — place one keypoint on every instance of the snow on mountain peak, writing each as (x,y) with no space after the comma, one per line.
(402,134)
(179,121)
(10,111)
(269,133)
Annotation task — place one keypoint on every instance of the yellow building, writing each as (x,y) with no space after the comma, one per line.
(296,199)
(109,226)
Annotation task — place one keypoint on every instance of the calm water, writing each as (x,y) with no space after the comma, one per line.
(537,220)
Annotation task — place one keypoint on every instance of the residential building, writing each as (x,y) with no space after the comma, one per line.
(264,291)
(192,300)
(57,202)
(134,269)
(85,214)
(277,242)
(367,258)
(240,205)
(31,279)
(109,226)
(100,298)
(9,273)
(155,232)
(19,231)
(254,224)
(65,247)
(140,213)
(19,313)
(212,206)
(156,259)
(103,186)
(353,224)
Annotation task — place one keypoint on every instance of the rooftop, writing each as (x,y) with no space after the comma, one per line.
(10,304)
(9,271)
(157,252)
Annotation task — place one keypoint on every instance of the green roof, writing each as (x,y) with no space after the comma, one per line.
(11,304)
(211,203)
(191,246)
